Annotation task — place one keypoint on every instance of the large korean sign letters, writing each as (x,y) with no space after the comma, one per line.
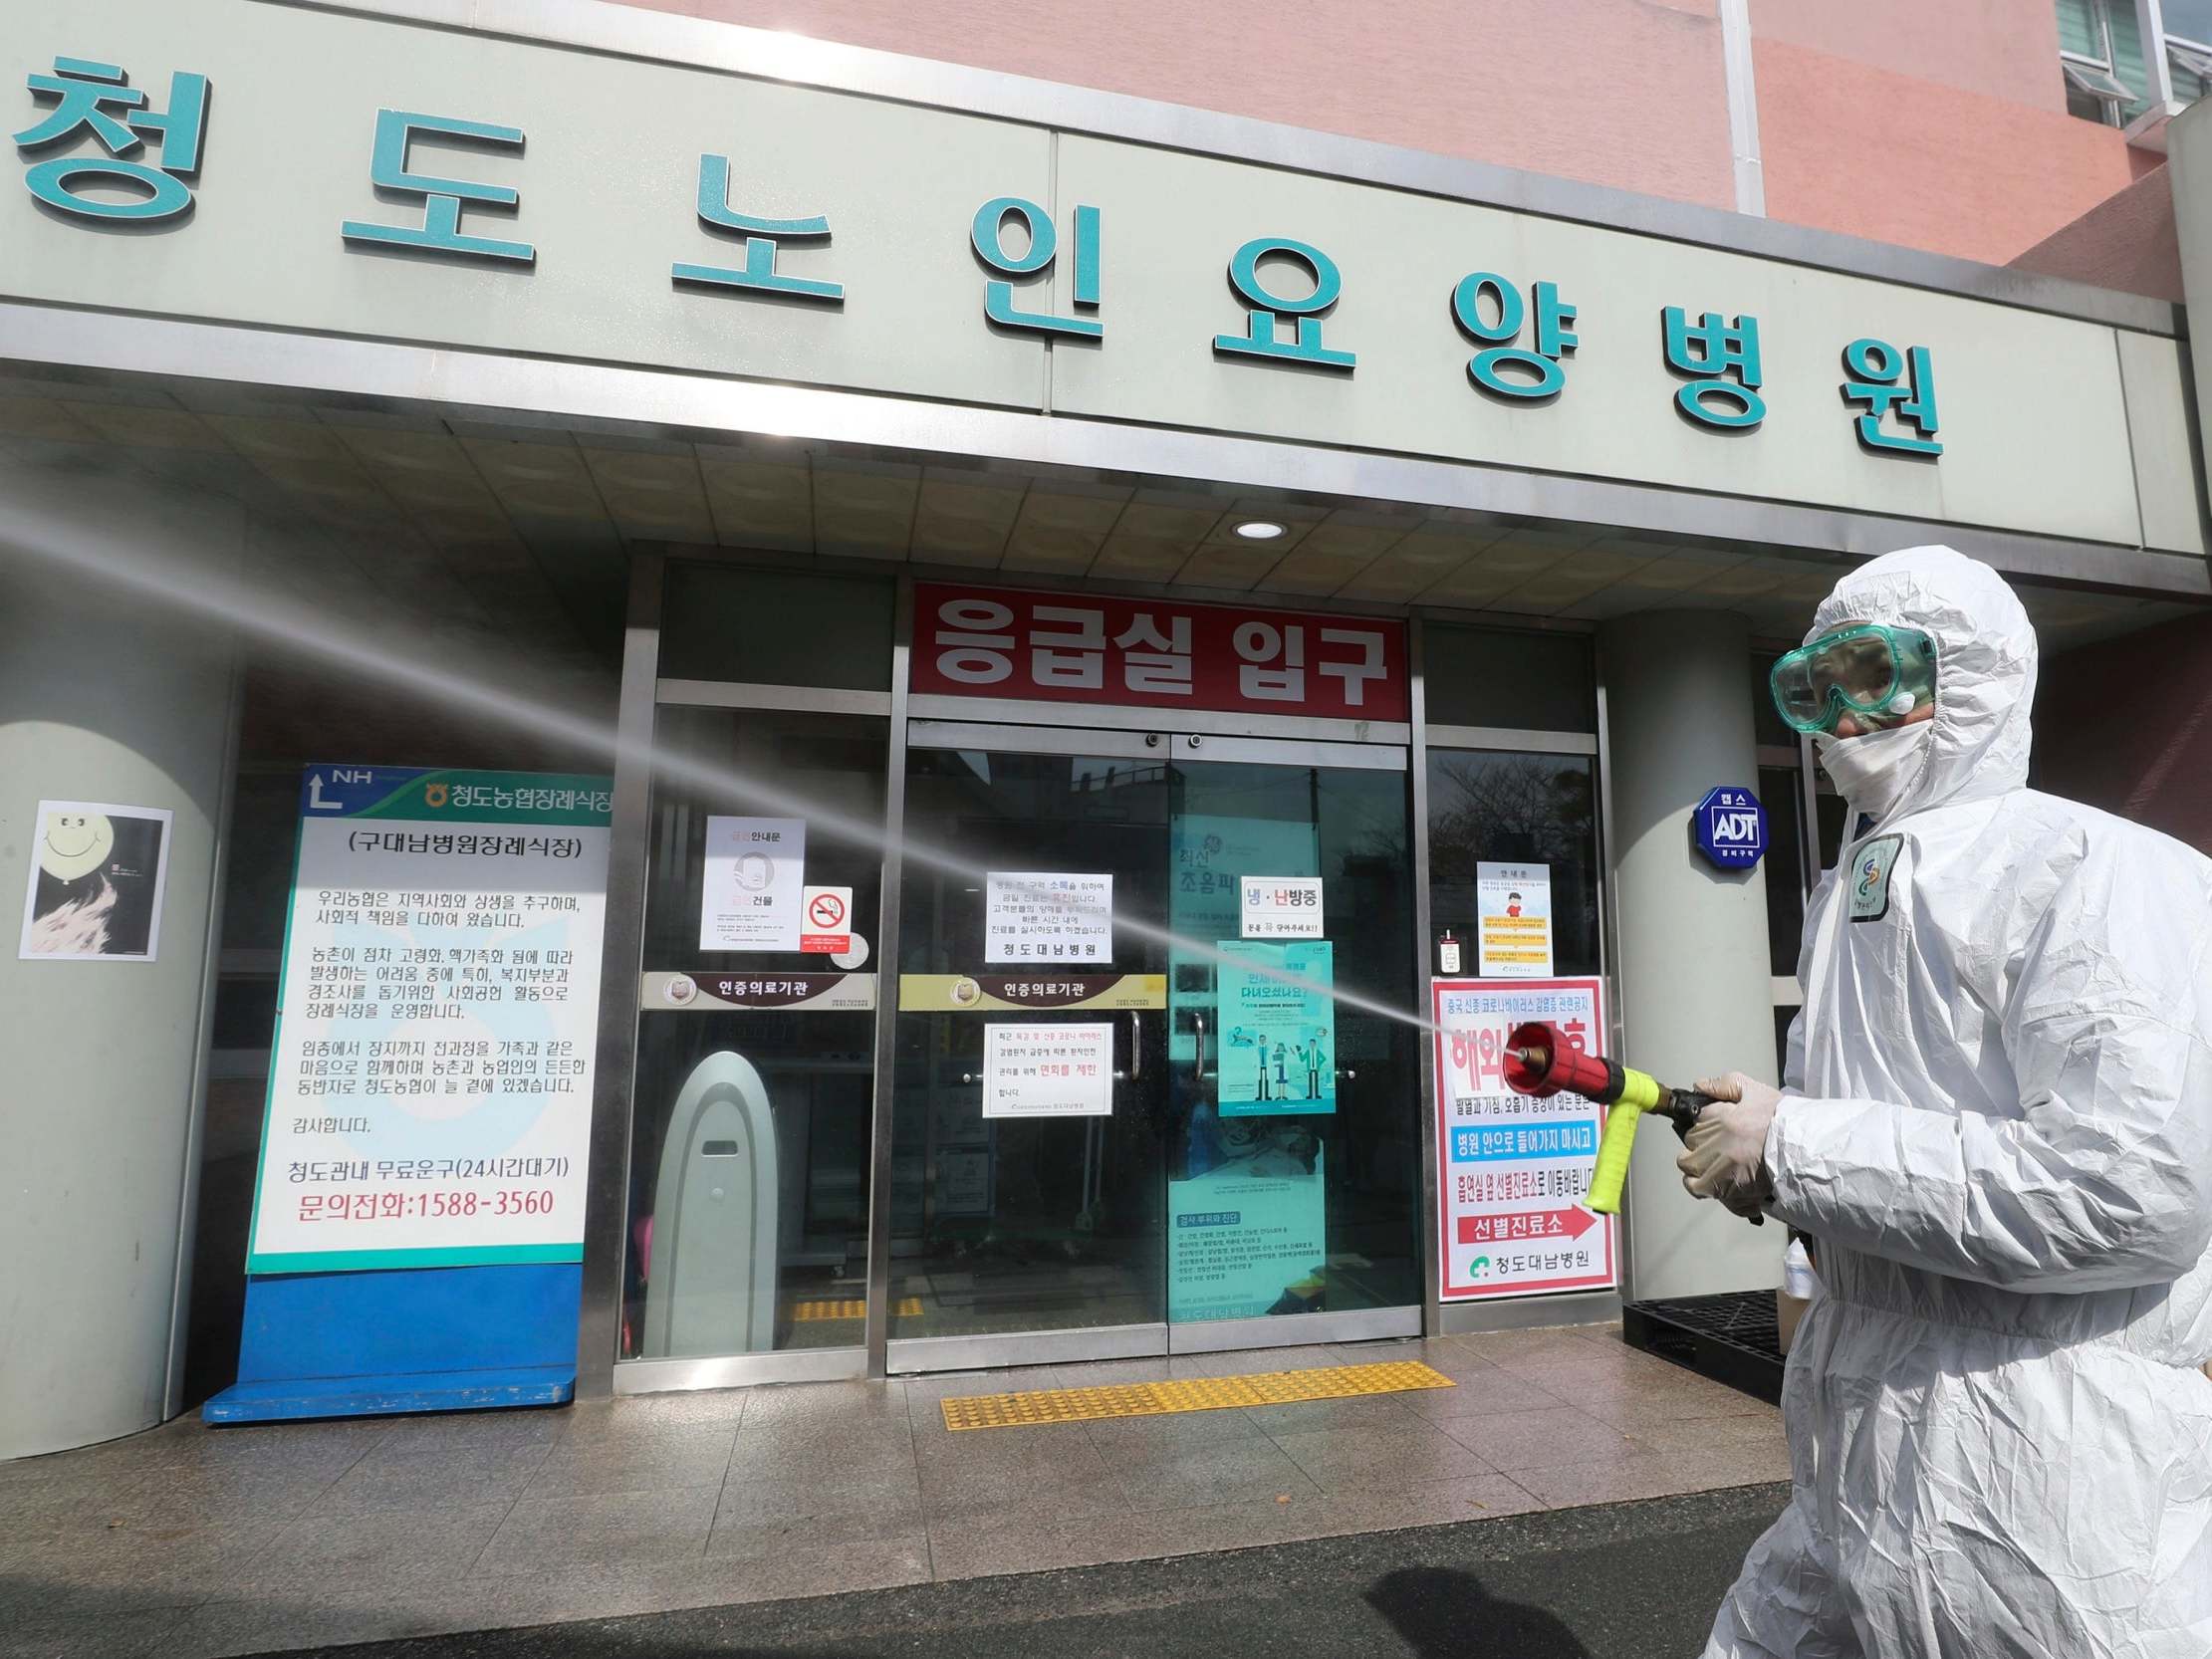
(1156,653)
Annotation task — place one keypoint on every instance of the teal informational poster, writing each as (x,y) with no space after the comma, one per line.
(1278,1034)
(1250,1236)
(1213,851)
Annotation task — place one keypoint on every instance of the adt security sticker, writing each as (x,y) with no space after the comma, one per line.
(1730,828)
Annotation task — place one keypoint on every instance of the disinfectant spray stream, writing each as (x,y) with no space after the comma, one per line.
(224,602)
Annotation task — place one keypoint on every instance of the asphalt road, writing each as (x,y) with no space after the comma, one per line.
(1620,1581)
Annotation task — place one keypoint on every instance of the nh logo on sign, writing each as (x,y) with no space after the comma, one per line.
(1730,828)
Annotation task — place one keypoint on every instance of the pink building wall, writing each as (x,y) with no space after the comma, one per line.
(1878,154)
(2005,49)
(1934,124)
(2129,241)
(2133,742)
(1627,93)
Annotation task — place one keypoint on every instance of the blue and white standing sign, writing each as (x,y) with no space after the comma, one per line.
(1730,828)
(430,1086)
(418,1221)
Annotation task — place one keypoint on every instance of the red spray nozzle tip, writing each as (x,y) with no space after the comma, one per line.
(1527,1059)
(1539,1061)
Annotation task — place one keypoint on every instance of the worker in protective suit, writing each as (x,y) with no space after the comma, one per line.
(1997,1125)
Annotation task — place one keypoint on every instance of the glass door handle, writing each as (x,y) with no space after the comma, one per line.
(1137,1048)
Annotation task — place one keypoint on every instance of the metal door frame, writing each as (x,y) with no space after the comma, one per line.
(1013,724)
(1173,736)
(1163,743)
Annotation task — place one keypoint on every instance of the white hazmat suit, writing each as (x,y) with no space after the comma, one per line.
(1997,1125)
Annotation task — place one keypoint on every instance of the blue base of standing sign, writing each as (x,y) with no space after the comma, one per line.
(359,1344)
(277,1402)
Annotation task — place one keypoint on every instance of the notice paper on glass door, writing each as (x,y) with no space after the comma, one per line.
(1513,905)
(1048,1071)
(1048,916)
(755,886)
(1280,906)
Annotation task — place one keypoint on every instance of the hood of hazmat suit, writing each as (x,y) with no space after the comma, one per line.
(1997,1125)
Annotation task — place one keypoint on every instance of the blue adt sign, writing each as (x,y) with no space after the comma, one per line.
(1730,828)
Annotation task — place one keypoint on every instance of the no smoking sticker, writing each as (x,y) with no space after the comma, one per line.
(826,921)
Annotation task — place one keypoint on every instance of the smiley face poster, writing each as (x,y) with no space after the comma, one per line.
(93,891)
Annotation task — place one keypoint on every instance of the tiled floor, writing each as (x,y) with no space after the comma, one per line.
(188,1542)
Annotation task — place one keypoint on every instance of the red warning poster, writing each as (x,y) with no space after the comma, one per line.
(1515,1170)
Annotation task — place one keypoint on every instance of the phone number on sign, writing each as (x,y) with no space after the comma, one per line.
(398,1206)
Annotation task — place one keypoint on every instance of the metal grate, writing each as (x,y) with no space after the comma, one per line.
(1744,1317)
(1731,1337)
(1154,1399)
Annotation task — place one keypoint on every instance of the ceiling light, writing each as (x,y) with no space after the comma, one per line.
(1259,530)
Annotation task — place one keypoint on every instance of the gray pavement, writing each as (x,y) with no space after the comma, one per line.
(1616,1581)
(187,1543)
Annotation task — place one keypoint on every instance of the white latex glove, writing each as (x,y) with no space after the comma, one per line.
(1725,1155)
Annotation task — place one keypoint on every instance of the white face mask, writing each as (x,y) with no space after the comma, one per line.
(1875,771)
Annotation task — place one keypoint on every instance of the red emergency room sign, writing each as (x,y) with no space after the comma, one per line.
(1155,654)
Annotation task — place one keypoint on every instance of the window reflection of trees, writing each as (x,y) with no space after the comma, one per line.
(1509,806)
(1516,808)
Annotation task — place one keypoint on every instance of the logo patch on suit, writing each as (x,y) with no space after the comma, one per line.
(1869,877)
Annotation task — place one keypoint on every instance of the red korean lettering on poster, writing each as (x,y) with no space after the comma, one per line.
(1155,654)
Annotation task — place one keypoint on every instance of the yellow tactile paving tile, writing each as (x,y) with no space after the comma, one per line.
(852,1308)
(1157,1399)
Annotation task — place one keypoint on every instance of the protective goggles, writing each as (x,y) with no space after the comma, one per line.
(1875,673)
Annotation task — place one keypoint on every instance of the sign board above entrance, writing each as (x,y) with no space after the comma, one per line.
(1156,653)
(484,193)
